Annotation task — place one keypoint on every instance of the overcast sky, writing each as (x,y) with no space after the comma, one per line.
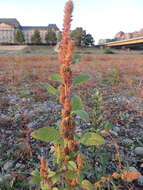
(101,18)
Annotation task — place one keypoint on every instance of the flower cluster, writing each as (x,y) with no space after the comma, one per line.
(65,54)
(44,172)
(67,127)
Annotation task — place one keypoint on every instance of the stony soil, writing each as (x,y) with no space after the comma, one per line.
(29,106)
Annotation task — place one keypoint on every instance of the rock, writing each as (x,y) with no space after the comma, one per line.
(17,116)
(13,99)
(18,165)
(116,129)
(23,99)
(5,120)
(58,107)
(128,142)
(141,124)
(141,166)
(8,165)
(32,124)
(77,117)
(5,178)
(8,132)
(139,151)
(114,133)
(140,181)
(133,169)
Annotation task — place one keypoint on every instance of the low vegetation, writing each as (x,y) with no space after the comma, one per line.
(108,51)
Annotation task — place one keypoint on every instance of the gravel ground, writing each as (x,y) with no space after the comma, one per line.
(22,111)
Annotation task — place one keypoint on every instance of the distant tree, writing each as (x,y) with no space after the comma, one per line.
(36,38)
(51,37)
(81,38)
(78,36)
(59,36)
(88,40)
(19,36)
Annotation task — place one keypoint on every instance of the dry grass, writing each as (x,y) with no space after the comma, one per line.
(14,47)
(122,71)
(15,69)
(128,64)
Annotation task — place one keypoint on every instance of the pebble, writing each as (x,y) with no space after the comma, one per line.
(8,165)
(3,179)
(8,132)
(58,107)
(133,169)
(139,151)
(13,99)
(127,142)
(116,129)
(5,118)
(141,166)
(114,133)
(140,181)
(18,165)
(31,124)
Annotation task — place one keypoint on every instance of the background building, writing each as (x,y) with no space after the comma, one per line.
(8,27)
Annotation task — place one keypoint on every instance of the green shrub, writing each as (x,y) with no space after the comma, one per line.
(108,51)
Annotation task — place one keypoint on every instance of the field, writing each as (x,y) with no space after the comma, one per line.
(115,93)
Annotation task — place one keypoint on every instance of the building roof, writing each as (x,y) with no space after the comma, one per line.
(34,27)
(50,26)
(11,21)
(53,26)
(14,22)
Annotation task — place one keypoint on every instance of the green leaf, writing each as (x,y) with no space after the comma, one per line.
(35,180)
(108,126)
(72,165)
(76,103)
(80,178)
(44,186)
(47,134)
(51,173)
(71,174)
(80,79)
(76,59)
(56,178)
(91,139)
(51,89)
(82,114)
(87,185)
(56,77)
(35,172)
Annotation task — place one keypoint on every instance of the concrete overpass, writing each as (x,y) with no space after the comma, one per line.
(129,43)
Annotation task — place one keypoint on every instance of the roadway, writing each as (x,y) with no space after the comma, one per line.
(133,42)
